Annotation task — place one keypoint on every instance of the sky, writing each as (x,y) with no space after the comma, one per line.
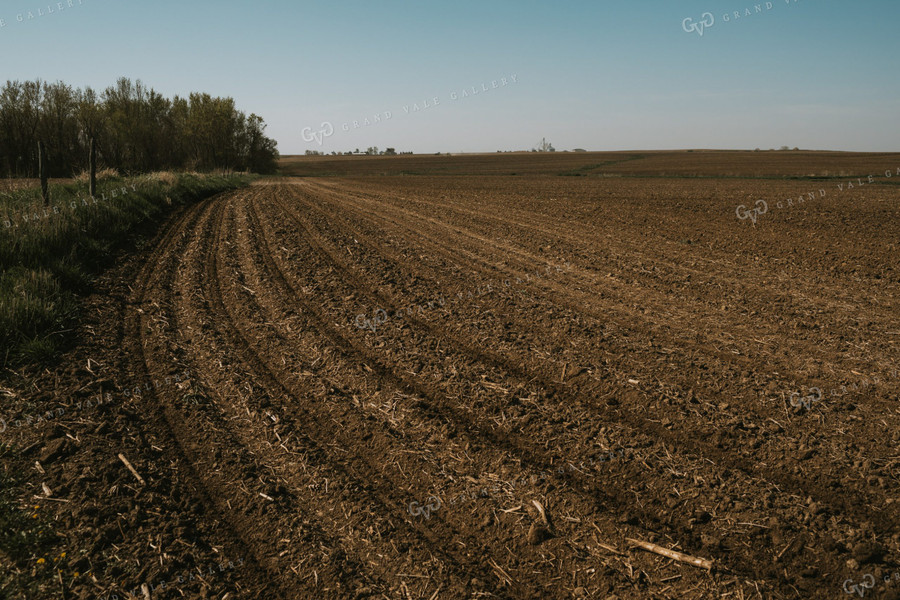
(598,75)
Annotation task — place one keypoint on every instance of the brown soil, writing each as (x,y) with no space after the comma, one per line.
(385,374)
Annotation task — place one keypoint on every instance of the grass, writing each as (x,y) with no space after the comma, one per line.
(586,169)
(49,255)
(102,174)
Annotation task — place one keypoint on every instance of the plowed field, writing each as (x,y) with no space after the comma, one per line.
(466,387)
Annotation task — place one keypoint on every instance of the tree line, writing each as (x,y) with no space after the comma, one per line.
(136,130)
(370,151)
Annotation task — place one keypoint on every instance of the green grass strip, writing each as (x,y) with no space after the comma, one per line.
(50,254)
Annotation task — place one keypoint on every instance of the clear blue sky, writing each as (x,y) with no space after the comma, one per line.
(599,75)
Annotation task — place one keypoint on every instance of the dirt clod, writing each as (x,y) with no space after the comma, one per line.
(537,534)
(53,450)
(867,552)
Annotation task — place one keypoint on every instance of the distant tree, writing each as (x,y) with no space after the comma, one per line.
(136,130)
(390,152)
(262,154)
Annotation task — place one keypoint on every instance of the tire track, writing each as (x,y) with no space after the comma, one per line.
(748,466)
(521,447)
(134,328)
(743,359)
(321,431)
(749,474)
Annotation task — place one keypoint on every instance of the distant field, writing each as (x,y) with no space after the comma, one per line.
(706,163)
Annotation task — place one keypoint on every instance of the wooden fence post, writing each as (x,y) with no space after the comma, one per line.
(93,167)
(42,170)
